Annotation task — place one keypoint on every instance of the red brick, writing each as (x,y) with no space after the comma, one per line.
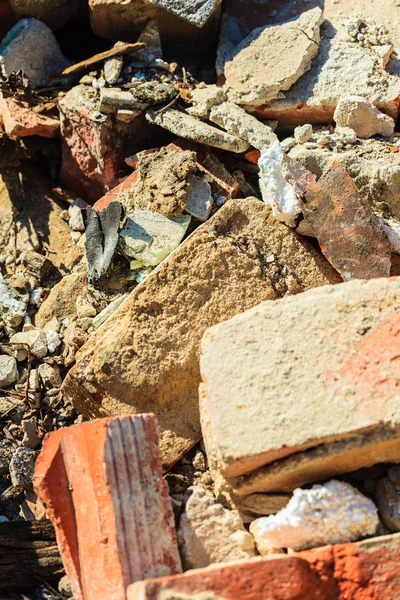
(350,235)
(19,120)
(365,570)
(102,486)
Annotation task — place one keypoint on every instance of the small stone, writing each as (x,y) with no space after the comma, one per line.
(113,68)
(13,305)
(209,533)
(388,499)
(53,340)
(287,144)
(49,376)
(199,201)
(31,438)
(75,218)
(36,339)
(303,133)
(199,462)
(22,467)
(333,513)
(36,296)
(150,237)
(84,308)
(64,587)
(363,117)
(8,371)
(204,98)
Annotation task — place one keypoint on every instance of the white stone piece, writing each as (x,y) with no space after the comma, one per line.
(31,46)
(150,237)
(36,296)
(13,306)
(209,533)
(333,513)
(363,117)
(75,218)
(36,339)
(199,201)
(204,98)
(282,183)
(8,371)
(303,133)
(53,340)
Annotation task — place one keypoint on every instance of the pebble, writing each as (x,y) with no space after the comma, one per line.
(75,218)
(8,371)
(53,340)
(303,133)
(22,467)
(49,375)
(36,339)
(31,438)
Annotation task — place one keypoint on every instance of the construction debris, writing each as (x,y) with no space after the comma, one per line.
(344,515)
(163,197)
(122,527)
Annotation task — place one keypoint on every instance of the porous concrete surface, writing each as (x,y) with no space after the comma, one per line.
(204,97)
(317,378)
(32,47)
(363,117)
(388,499)
(190,128)
(209,533)
(8,371)
(196,12)
(150,237)
(146,356)
(13,305)
(371,164)
(236,121)
(272,58)
(332,513)
(22,467)
(341,66)
(55,13)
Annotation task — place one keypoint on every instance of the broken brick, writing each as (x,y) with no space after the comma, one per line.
(327,380)
(361,571)
(102,486)
(147,356)
(350,235)
(19,120)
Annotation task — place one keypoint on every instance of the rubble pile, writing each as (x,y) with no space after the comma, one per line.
(199,299)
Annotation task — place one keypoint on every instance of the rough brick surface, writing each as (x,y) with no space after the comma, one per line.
(303,373)
(365,570)
(146,357)
(19,120)
(102,486)
(350,235)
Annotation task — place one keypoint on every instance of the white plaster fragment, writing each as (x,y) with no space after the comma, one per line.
(333,513)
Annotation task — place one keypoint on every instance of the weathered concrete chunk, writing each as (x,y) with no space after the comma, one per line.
(32,47)
(146,356)
(336,384)
(209,533)
(363,117)
(19,120)
(8,371)
(343,66)
(350,235)
(239,123)
(203,98)
(199,200)
(265,62)
(362,570)
(102,486)
(190,128)
(13,305)
(344,515)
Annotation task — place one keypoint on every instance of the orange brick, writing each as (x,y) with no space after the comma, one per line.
(20,120)
(102,486)
(365,570)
